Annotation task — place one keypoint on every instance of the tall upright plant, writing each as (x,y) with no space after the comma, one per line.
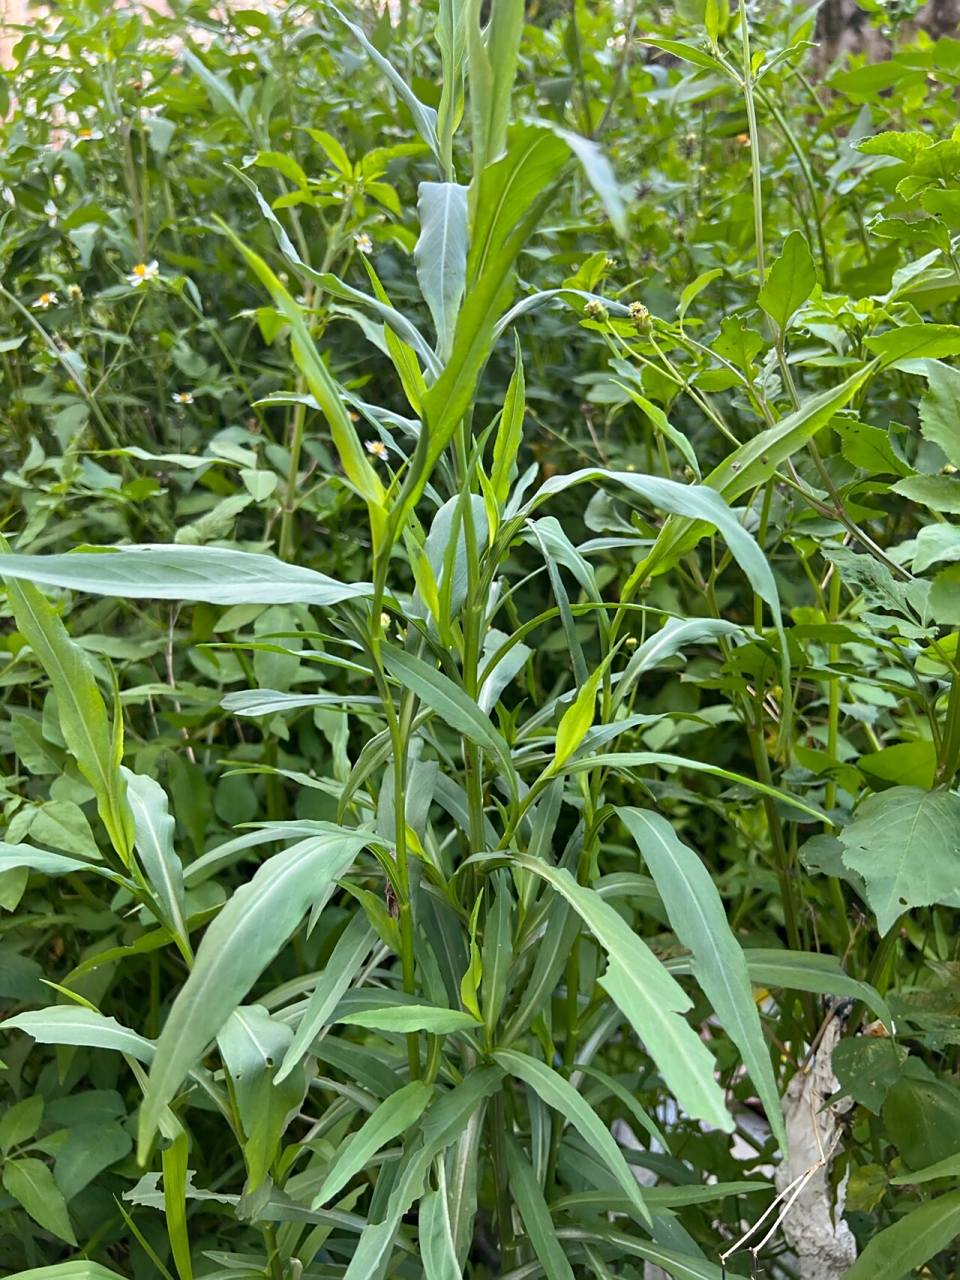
(460,1082)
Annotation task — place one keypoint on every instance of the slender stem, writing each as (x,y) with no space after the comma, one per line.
(286,547)
(833,694)
(747,72)
(110,436)
(398,727)
(950,742)
(498,1130)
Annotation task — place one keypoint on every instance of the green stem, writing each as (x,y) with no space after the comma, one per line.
(833,695)
(747,71)
(498,1129)
(286,547)
(950,743)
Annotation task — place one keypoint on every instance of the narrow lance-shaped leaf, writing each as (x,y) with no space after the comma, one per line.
(391,1118)
(535,1215)
(673,636)
(82,712)
(452,705)
(412,1017)
(175,1174)
(648,997)
(513,193)
(640,759)
(404,328)
(559,1094)
(599,173)
(79,1269)
(208,575)
(441,255)
(578,717)
(694,502)
(322,387)
(251,1044)
(352,948)
(438,1249)
(451,39)
(506,443)
(748,467)
(443,1123)
(267,702)
(14,856)
(903,1248)
(70,1024)
(492,67)
(154,832)
(249,931)
(424,117)
(812,971)
(699,921)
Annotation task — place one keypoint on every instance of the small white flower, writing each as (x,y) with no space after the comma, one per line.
(377,449)
(7,196)
(86,134)
(143,272)
(59,182)
(51,213)
(74,292)
(46,301)
(182,397)
(363,242)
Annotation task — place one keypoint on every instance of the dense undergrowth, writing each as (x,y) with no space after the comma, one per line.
(528,744)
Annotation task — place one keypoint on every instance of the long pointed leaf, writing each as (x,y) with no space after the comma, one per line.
(441,255)
(699,921)
(648,996)
(392,1117)
(211,575)
(557,1093)
(236,948)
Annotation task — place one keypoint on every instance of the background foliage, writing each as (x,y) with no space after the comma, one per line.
(586,755)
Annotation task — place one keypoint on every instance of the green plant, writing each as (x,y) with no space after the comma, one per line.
(495,862)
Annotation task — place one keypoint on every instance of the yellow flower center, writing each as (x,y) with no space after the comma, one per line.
(140,269)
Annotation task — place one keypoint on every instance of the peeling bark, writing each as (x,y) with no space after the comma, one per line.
(814,1227)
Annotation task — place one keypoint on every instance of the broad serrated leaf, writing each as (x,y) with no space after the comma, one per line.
(905,843)
(913,341)
(31,1184)
(789,282)
(940,409)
